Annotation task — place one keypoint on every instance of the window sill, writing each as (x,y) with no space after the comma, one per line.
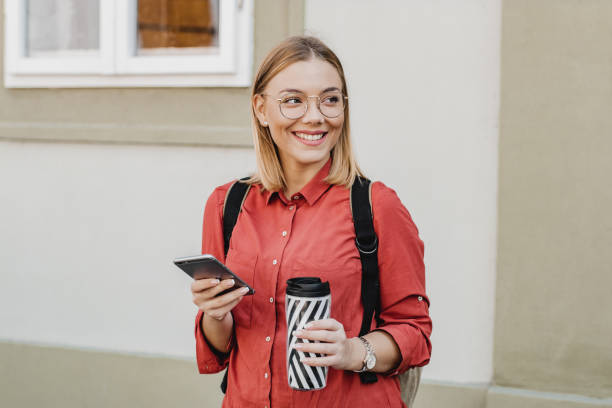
(131,81)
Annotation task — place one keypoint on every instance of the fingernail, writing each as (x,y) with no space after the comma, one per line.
(308,325)
(297,332)
(244,290)
(215,281)
(230,282)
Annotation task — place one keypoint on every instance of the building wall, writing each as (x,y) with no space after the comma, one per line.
(88,230)
(553,320)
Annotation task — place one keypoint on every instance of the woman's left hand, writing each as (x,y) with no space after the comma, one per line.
(339,351)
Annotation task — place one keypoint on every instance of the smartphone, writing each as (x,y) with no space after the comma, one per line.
(207,266)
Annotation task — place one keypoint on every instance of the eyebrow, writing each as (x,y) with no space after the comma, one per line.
(331,88)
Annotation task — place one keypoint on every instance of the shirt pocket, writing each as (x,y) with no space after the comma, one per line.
(345,288)
(243,265)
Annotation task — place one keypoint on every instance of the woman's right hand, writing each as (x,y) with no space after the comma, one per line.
(205,290)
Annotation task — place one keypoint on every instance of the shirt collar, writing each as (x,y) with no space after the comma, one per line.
(311,191)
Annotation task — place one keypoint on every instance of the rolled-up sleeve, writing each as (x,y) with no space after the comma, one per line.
(209,359)
(403,300)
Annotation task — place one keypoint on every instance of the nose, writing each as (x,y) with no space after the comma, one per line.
(313,114)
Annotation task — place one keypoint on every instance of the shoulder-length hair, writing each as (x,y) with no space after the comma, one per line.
(344,168)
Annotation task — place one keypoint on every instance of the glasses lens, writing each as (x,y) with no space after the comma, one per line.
(332,104)
(293,106)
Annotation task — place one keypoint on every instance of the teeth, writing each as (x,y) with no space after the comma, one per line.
(309,137)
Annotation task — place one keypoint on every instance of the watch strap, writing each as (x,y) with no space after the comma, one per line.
(369,353)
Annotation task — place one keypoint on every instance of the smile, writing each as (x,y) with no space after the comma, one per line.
(310,139)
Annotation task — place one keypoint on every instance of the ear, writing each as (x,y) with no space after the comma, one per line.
(259,107)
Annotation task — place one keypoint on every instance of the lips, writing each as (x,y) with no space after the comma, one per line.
(310,138)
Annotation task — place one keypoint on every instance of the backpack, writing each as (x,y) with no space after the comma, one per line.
(367,244)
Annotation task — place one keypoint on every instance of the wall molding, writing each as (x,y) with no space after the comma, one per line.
(192,135)
(474,395)
(507,396)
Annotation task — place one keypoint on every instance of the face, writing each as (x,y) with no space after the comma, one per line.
(305,142)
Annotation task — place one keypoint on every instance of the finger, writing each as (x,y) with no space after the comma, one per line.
(213,291)
(202,296)
(227,298)
(208,299)
(320,335)
(320,348)
(220,313)
(199,285)
(324,324)
(326,361)
(223,285)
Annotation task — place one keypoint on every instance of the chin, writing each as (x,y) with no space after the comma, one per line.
(312,161)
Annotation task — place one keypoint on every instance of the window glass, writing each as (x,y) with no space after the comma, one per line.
(177,27)
(62,27)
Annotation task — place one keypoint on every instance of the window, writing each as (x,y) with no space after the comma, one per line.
(103,43)
(48,106)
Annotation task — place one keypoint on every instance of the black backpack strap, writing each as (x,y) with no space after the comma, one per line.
(367,244)
(231,208)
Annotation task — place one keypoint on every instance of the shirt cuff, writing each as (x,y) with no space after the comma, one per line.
(414,347)
(209,359)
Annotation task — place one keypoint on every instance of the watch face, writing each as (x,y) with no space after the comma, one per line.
(371,362)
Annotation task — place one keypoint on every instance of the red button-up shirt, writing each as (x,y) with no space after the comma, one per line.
(312,234)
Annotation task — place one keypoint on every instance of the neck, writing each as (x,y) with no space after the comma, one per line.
(297,176)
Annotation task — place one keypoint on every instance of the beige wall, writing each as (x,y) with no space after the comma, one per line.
(554,308)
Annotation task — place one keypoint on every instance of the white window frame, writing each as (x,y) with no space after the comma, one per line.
(116,66)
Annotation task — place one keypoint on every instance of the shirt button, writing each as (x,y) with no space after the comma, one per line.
(290,208)
(284,233)
(296,197)
(274,262)
(271,300)
(420,298)
(266,375)
(268,338)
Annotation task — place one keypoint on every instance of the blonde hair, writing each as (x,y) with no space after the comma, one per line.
(344,168)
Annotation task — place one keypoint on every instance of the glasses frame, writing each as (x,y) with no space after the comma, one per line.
(308,105)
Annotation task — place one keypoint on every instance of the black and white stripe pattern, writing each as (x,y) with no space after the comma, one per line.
(299,311)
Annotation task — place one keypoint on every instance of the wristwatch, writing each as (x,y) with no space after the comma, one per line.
(370,358)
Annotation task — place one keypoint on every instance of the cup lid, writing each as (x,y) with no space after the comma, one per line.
(307,287)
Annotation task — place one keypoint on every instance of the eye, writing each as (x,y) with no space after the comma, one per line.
(292,100)
(330,99)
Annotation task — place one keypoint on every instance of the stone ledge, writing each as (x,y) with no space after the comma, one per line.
(227,136)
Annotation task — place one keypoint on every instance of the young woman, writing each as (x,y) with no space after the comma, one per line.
(296,221)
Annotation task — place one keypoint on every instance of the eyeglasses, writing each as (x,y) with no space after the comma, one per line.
(294,105)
